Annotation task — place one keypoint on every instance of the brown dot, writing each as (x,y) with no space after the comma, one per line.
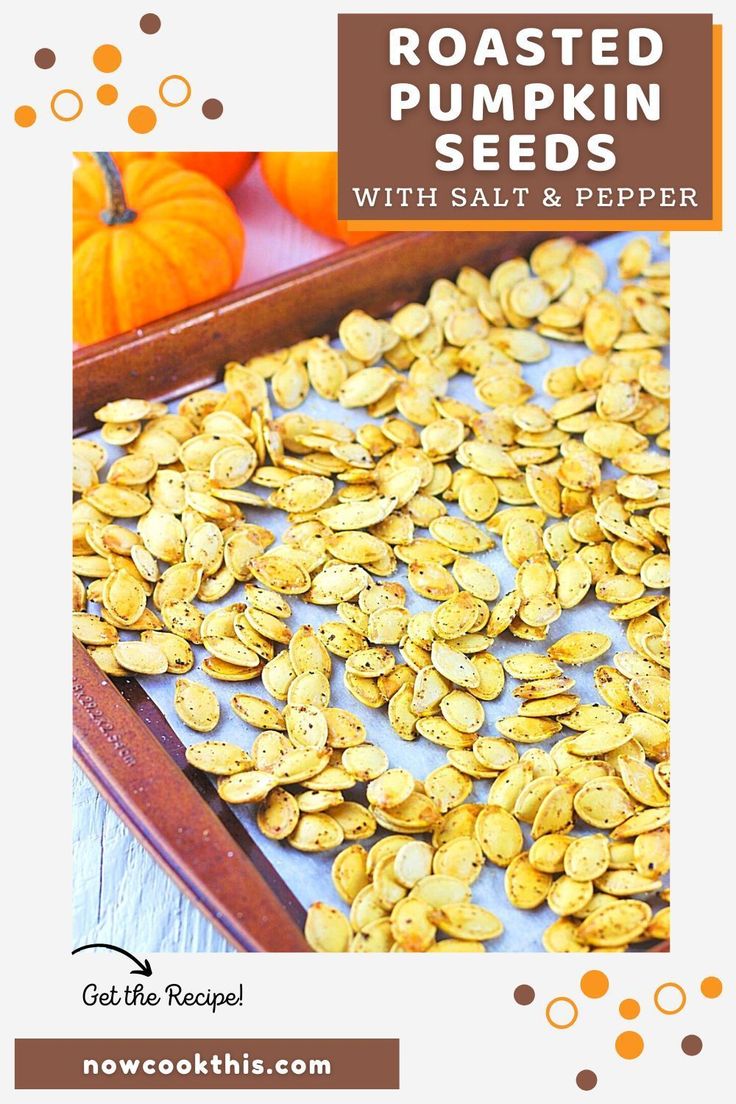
(212,109)
(45,58)
(692,1045)
(586,1080)
(524,994)
(150,23)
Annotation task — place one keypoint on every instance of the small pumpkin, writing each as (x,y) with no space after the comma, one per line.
(147,242)
(306,185)
(226,169)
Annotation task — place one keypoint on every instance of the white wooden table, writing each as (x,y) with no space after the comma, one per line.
(120,894)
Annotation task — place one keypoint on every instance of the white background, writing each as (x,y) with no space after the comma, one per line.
(273,66)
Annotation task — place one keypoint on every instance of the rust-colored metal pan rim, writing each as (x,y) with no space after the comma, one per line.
(132,756)
(184,351)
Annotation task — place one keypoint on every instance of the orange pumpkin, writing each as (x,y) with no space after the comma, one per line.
(306,185)
(151,241)
(226,169)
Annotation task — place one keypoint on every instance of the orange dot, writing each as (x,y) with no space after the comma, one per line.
(629,1044)
(25,115)
(107,94)
(561,1012)
(629,1008)
(66,105)
(710,986)
(594,984)
(107,58)
(674,998)
(142,119)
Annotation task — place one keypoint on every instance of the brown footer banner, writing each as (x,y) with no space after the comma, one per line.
(206,1063)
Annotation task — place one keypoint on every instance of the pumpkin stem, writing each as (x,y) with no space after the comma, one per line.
(117,211)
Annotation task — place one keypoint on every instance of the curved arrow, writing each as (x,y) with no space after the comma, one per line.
(145,965)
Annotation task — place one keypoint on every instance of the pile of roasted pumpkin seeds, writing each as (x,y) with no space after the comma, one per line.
(570,487)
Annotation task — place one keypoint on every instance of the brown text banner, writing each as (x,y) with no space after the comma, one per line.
(581,121)
(206,1064)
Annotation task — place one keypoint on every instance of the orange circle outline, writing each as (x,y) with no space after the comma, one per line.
(669,1011)
(171,103)
(565,1000)
(66,92)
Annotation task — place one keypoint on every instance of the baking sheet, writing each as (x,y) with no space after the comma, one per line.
(308,875)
